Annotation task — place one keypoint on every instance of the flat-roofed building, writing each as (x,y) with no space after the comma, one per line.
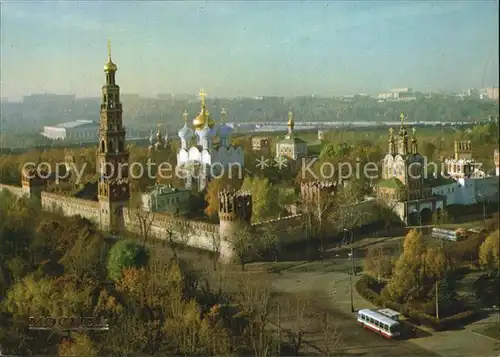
(79,130)
(164,198)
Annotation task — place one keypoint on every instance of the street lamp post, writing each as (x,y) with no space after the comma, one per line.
(352,271)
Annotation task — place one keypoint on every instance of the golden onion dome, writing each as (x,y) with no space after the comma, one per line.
(110,66)
(204,116)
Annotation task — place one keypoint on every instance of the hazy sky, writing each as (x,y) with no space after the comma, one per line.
(248,48)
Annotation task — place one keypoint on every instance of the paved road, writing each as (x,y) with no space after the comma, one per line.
(332,287)
(328,280)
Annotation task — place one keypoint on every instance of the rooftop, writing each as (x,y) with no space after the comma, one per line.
(158,190)
(76,123)
(292,139)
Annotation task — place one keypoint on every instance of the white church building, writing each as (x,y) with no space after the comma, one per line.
(206,158)
(464,182)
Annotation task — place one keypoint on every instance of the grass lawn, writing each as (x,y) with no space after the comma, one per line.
(492,331)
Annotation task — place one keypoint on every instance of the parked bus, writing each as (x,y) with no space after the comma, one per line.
(377,322)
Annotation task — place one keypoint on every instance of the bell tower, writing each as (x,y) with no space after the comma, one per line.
(112,156)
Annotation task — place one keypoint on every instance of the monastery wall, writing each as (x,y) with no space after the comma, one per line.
(71,206)
(290,228)
(196,234)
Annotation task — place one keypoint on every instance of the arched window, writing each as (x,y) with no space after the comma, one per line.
(103,146)
(110,146)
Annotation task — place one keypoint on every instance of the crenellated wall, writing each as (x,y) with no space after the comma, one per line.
(197,234)
(290,228)
(71,206)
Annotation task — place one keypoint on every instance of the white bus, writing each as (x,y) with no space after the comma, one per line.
(379,323)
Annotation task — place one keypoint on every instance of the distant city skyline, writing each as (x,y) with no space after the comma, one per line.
(248,49)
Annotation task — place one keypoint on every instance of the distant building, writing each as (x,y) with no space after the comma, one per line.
(291,147)
(399,93)
(163,198)
(490,93)
(81,130)
(260,144)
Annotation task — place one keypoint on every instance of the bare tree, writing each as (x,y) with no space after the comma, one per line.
(143,218)
(330,338)
(299,318)
(348,212)
(253,296)
(317,209)
(243,245)
(216,242)
(177,232)
(270,241)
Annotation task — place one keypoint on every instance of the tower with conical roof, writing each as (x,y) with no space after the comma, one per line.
(112,155)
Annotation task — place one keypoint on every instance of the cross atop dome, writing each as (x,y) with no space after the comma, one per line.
(202,95)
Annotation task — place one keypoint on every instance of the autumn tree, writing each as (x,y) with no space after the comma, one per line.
(214,187)
(489,252)
(378,262)
(265,202)
(408,275)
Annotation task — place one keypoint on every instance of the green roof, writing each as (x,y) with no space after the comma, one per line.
(392,182)
(292,139)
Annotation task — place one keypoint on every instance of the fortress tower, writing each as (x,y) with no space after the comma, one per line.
(463,150)
(317,192)
(33,183)
(235,211)
(112,156)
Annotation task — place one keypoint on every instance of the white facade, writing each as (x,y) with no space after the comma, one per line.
(80,130)
(468,191)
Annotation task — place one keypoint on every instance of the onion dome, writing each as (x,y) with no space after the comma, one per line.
(204,116)
(206,132)
(110,66)
(185,132)
(224,130)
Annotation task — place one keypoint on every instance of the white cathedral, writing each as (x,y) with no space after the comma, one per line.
(201,161)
